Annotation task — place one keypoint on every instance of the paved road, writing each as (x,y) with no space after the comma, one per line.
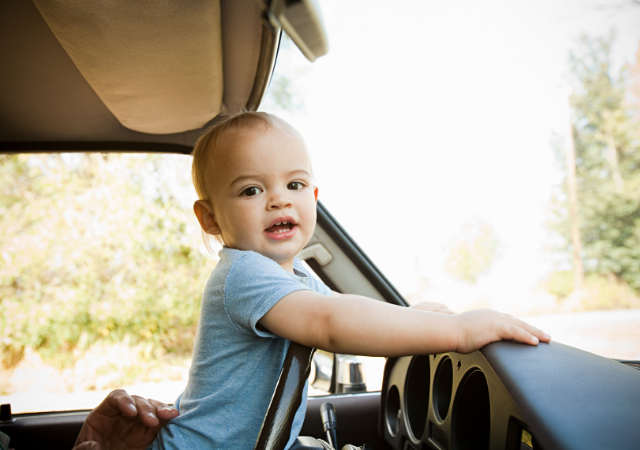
(613,334)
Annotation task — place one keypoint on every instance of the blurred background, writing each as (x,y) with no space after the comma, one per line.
(482,154)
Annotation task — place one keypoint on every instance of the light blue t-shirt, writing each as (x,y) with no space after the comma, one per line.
(236,363)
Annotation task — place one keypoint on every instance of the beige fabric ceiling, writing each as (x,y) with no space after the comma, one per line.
(157,65)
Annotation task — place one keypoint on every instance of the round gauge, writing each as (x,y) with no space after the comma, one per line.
(393,410)
(416,395)
(442,385)
(471,418)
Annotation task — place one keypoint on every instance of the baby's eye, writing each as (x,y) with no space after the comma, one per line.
(251,191)
(295,185)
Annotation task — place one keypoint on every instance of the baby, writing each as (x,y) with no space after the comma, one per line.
(257,196)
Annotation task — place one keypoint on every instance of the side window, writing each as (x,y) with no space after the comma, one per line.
(345,374)
(101,273)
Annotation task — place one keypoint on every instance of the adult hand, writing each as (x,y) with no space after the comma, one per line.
(481,327)
(123,422)
(432,307)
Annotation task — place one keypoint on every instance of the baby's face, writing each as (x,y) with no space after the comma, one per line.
(264,199)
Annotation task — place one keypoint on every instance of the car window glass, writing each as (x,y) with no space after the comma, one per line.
(101,277)
(440,135)
(367,377)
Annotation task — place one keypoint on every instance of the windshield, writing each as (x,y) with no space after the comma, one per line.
(443,136)
(481,154)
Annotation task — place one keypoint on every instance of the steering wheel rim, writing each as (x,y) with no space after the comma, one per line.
(287,398)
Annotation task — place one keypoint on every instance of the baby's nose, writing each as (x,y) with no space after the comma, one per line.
(279,200)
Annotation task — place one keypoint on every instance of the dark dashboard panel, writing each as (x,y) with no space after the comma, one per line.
(510,396)
(571,399)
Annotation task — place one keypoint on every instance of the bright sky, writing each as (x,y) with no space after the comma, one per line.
(425,115)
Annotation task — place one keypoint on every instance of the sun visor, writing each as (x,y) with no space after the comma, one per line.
(157,65)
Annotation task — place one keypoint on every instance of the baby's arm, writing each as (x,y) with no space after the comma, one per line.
(422,305)
(358,325)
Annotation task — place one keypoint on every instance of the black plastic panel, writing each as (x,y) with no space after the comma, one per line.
(38,431)
(569,398)
(356,415)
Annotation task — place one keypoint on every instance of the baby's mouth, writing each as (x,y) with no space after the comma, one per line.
(280,227)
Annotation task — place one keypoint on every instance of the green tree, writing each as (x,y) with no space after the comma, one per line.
(472,251)
(96,248)
(605,133)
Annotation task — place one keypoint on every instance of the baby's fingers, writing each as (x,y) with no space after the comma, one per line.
(541,335)
(518,334)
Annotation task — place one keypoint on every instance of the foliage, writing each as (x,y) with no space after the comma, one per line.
(96,248)
(602,293)
(279,94)
(607,147)
(472,251)
(560,283)
(598,293)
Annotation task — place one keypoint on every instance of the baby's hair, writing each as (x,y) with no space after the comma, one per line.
(211,140)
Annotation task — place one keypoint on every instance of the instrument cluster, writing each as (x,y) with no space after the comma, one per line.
(449,401)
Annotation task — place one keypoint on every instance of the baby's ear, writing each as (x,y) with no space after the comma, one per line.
(206,218)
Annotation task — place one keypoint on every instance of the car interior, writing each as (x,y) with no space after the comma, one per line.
(116,77)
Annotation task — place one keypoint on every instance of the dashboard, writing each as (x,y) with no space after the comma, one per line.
(450,401)
(510,396)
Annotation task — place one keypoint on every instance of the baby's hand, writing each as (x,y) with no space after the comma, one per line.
(479,328)
(432,307)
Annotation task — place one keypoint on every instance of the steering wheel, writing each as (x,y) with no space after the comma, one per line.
(276,427)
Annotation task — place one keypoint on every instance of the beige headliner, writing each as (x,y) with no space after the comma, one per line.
(46,104)
(157,65)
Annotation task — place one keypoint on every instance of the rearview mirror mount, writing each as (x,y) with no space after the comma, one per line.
(302,21)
